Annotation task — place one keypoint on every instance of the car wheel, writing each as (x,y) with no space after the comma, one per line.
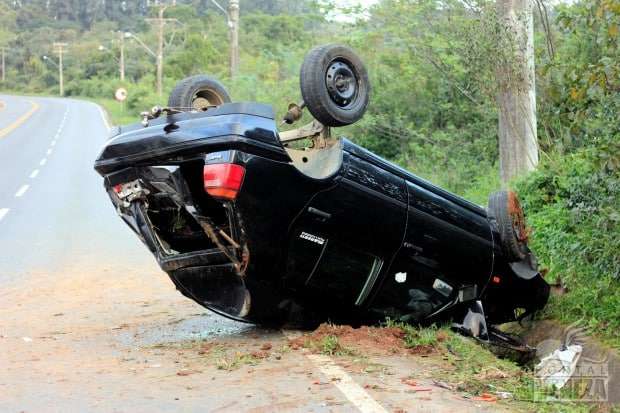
(334,85)
(505,208)
(198,93)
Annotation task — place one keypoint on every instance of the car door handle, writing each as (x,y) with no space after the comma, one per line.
(322,214)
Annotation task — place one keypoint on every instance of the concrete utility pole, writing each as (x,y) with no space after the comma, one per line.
(518,142)
(121,60)
(232,19)
(160,22)
(3,64)
(59,49)
(233,24)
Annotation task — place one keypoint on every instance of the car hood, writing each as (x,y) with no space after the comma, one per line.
(244,125)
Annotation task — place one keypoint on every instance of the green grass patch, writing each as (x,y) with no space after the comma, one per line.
(233,361)
(330,346)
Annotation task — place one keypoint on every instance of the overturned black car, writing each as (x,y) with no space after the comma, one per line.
(273,227)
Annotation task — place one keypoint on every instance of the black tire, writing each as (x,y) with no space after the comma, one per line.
(198,93)
(505,208)
(334,85)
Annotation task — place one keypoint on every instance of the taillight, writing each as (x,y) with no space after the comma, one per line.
(223,180)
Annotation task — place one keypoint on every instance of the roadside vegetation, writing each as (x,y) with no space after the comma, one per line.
(432,66)
(453,362)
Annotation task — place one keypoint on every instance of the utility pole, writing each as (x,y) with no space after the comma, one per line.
(3,64)
(121,60)
(518,142)
(160,22)
(59,49)
(233,25)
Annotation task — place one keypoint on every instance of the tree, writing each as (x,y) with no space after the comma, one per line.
(516,98)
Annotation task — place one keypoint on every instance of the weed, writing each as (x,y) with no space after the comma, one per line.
(233,362)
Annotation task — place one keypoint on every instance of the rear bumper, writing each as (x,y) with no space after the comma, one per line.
(160,208)
(192,259)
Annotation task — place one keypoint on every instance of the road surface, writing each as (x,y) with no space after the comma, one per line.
(89,322)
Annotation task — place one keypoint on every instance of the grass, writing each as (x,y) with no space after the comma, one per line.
(329,345)
(233,361)
(473,369)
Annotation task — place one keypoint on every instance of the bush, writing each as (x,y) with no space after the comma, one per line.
(572,204)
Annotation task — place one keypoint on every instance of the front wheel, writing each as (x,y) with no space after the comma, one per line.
(505,208)
(198,93)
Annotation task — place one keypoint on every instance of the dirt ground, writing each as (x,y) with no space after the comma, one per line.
(91,338)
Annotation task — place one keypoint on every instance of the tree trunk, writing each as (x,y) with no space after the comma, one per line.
(518,144)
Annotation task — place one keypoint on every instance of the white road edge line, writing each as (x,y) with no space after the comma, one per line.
(21,191)
(343,382)
(104,118)
(43,161)
(34,174)
(3,212)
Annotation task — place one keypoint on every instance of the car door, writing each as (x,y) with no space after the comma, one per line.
(446,257)
(347,234)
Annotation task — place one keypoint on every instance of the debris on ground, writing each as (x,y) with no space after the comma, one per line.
(485,397)
(443,385)
(409,382)
(558,367)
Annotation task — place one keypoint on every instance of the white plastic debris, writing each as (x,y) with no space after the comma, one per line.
(558,367)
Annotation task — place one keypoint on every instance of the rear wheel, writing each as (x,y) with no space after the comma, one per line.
(198,93)
(334,85)
(504,206)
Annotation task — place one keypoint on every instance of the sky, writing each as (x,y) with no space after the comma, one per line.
(351,3)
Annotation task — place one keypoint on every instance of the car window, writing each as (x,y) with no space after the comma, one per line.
(343,271)
(411,292)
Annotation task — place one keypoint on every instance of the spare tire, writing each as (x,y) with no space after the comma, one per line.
(505,208)
(334,85)
(198,93)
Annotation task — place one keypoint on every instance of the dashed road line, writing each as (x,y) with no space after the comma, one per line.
(343,382)
(21,191)
(49,151)
(3,212)
(43,161)
(34,174)
(53,143)
(23,118)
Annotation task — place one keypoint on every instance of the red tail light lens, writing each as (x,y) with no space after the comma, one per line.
(223,180)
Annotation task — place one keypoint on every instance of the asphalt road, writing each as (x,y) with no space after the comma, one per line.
(88,322)
(52,206)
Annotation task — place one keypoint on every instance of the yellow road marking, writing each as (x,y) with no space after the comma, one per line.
(23,118)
